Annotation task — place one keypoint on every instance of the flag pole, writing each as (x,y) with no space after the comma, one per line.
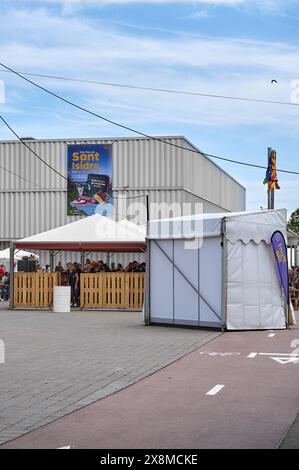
(269,192)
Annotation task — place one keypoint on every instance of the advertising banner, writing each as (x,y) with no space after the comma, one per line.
(271,173)
(89,170)
(281,256)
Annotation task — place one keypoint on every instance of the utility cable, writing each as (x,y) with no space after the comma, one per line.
(159,90)
(157,139)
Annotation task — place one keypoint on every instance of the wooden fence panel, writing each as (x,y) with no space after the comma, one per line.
(34,289)
(91,287)
(112,290)
(99,290)
(294,295)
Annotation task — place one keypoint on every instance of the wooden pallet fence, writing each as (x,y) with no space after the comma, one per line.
(112,290)
(294,294)
(34,289)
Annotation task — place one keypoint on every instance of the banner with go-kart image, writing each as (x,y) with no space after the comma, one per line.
(89,188)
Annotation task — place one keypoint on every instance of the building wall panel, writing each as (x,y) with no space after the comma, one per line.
(168,174)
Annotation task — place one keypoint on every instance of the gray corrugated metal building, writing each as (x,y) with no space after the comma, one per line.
(37,202)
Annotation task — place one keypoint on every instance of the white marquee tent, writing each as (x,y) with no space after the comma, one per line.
(94,233)
(5,256)
(216,270)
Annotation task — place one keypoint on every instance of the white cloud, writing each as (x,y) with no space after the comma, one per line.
(199,14)
(109,2)
(47,43)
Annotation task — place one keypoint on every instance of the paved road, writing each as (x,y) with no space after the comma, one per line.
(291,439)
(57,363)
(258,400)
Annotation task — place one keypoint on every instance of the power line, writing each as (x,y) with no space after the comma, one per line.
(51,167)
(158,139)
(21,177)
(158,90)
(31,150)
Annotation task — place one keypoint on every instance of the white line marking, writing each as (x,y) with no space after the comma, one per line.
(252,355)
(66,447)
(279,354)
(271,335)
(215,390)
(213,353)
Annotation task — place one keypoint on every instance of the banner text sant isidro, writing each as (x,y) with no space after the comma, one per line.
(81,161)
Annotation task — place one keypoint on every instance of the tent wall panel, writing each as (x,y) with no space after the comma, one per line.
(162,275)
(191,281)
(186,260)
(210,255)
(254,296)
(185,301)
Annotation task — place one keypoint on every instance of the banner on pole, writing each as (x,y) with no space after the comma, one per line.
(89,170)
(281,256)
(271,174)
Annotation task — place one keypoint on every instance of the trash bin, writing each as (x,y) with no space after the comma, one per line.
(62,299)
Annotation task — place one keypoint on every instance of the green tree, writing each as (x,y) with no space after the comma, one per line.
(294,221)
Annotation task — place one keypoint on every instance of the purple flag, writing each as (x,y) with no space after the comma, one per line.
(281,256)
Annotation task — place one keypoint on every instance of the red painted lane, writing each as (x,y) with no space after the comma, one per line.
(170,409)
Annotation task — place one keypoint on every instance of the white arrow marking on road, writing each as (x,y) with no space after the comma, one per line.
(215,389)
(66,447)
(271,335)
(285,360)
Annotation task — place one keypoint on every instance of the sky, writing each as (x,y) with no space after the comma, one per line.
(222,47)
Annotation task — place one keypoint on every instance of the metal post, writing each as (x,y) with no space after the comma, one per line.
(147,305)
(269,192)
(82,259)
(272,198)
(147,208)
(12,270)
(51,261)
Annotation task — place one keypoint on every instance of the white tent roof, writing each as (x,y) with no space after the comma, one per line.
(5,254)
(95,232)
(244,226)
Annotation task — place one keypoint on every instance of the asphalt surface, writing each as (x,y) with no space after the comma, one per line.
(245,396)
(291,439)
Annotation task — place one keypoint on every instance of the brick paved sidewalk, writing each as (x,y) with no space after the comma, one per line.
(57,363)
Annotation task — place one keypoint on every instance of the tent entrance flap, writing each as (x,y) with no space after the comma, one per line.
(182,291)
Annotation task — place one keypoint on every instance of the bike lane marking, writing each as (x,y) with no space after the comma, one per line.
(215,390)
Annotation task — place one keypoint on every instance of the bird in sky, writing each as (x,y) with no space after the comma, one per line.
(273,81)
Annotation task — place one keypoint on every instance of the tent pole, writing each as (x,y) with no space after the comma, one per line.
(147,304)
(12,270)
(224,275)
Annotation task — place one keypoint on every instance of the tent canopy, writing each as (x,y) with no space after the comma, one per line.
(5,255)
(243,226)
(94,233)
